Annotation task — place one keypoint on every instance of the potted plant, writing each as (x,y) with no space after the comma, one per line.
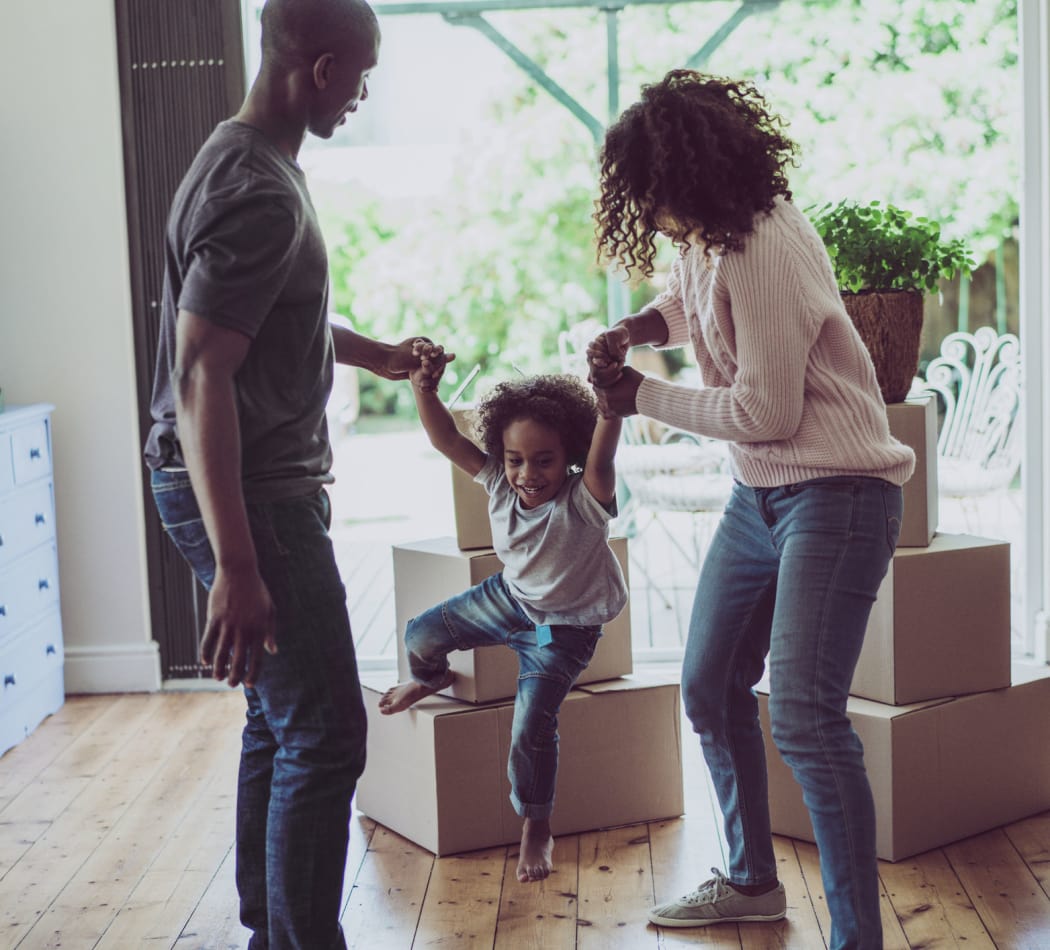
(885,261)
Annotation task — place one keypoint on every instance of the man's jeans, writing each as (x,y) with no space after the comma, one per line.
(488,615)
(303,746)
(793,571)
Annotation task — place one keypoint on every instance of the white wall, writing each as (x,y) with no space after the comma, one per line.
(65,322)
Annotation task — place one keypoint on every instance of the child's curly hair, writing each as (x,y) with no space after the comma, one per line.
(561,402)
(695,154)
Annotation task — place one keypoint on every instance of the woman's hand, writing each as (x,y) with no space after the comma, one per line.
(606,355)
(620,398)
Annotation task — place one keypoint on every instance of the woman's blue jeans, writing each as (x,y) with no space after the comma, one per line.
(488,615)
(793,572)
(303,746)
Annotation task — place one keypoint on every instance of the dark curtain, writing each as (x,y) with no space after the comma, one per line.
(181,72)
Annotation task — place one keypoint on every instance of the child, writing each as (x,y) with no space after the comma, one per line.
(548,469)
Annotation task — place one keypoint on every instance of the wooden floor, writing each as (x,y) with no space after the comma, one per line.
(116,825)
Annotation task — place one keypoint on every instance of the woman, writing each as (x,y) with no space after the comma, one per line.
(813,519)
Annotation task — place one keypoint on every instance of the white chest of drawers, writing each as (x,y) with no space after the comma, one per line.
(30,621)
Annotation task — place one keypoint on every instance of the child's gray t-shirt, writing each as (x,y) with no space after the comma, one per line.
(556,557)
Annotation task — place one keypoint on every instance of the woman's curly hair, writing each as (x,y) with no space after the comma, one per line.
(561,402)
(695,154)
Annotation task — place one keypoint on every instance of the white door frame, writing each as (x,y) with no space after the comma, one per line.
(1034,31)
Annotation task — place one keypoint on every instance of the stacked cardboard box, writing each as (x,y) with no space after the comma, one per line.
(469,500)
(428,572)
(437,772)
(954,745)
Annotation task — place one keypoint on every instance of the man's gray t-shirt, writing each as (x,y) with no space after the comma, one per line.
(556,557)
(244,250)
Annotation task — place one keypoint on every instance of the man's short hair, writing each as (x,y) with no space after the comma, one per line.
(299,31)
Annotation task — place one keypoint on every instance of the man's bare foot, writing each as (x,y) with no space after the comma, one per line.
(537,846)
(404,695)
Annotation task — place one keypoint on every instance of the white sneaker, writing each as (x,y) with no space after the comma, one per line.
(718,902)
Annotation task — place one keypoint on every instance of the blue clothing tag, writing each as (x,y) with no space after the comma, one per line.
(543,634)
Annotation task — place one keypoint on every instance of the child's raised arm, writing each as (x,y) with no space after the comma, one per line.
(437,420)
(599,471)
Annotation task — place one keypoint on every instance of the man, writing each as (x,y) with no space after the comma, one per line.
(240,456)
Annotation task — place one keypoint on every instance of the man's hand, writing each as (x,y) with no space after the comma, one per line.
(606,356)
(431,361)
(241,623)
(620,399)
(401,359)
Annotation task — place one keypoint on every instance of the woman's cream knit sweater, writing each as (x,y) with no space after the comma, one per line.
(787,380)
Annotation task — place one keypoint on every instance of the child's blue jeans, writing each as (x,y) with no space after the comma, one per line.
(793,572)
(303,746)
(488,615)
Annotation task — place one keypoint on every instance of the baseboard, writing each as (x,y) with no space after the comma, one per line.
(132,668)
(196,685)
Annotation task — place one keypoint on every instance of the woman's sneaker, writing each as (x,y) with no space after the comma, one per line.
(718,902)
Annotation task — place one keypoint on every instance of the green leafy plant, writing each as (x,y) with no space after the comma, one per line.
(877,247)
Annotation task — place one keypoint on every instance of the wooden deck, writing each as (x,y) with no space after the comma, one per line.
(659,606)
(116,832)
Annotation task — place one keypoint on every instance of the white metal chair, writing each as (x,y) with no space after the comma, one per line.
(977,381)
(675,471)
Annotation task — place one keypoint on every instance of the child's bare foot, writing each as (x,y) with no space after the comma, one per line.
(537,846)
(404,695)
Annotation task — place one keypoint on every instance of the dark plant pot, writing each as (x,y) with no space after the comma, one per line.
(890,324)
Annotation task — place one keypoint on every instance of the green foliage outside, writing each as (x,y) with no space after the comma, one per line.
(881,247)
(912,103)
(493,275)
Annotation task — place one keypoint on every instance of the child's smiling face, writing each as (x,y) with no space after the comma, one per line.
(534,461)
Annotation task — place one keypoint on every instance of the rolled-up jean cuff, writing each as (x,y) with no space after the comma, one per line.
(437,682)
(531,811)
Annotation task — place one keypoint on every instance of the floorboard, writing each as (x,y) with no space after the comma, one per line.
(463,901)
(931,903)
(1013,908)
(615,890)
(116,832)
(541,916)
(387,896)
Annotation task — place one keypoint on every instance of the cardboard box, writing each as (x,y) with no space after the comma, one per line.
(437,772)
(939,771)
(470,502)
(428,572)
(914,422)
(940,625)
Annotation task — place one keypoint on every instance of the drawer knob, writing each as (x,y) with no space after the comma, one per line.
(42,584)
(39,518)
(34,453)
(50,650)
(9,679)
(3,611)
